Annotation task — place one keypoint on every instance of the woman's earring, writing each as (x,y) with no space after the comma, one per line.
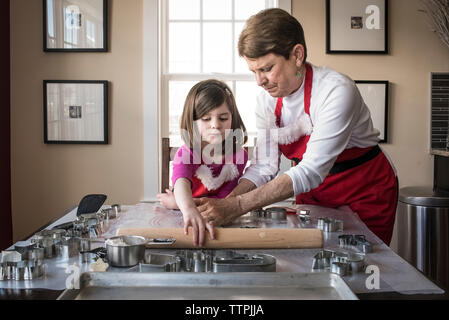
(298,74)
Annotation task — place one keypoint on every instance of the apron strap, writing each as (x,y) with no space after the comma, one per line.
(278,112)
(308,90)
(307,97)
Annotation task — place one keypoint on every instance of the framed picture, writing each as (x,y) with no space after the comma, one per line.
(75,25)
(375,95)
(75,112)
(357,26)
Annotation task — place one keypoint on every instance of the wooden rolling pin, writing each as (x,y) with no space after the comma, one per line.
(235,238)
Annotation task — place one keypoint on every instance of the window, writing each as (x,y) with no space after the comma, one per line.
(199,41)
(167,79)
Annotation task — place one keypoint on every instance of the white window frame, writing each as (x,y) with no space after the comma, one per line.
(155,88)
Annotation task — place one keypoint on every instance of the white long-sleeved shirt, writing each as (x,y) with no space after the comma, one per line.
(340,121)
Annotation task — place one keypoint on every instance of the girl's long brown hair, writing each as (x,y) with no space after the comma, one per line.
(203,98)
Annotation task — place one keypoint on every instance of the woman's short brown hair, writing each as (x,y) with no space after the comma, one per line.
(271,31)
(203,98)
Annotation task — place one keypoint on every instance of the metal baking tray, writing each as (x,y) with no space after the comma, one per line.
(210,286)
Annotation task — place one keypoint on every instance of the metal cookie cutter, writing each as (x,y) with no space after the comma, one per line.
(109,213)
(195,260)
(10,258)
(68,247)
(340,268)
(357,242)
(157,262)
(87,256)
(27,270)
(257,213)
(47,242)
(276,213)
(356,262)
(23,247)
(56,234)
(112,212)
(13,267)
(89,225)
(255,263)
(339,262)
(34,254)
(117,207)
(201,261)
(231,261)
(322,259)
(4,271)
(330,225)
(304,215)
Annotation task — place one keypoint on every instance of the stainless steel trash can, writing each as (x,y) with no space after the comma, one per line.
(423,226)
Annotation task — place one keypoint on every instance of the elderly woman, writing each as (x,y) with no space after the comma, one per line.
(316,117)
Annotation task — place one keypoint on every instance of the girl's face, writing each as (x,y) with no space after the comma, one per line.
(213,125)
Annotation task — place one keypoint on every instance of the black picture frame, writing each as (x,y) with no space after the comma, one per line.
(72,114)
(355,22)
(377,104)
(58,48)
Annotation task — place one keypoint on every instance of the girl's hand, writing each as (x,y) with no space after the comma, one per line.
(168,200)
(192,218)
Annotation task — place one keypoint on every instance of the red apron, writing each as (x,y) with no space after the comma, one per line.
(369,188)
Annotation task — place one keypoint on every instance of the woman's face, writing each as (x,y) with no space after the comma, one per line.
(213,125)
(275,74)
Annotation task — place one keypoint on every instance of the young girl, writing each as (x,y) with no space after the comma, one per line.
(212,159)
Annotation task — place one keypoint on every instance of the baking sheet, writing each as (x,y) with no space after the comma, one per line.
(217,286)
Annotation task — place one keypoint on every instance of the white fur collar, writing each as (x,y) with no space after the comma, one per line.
(291,133)
(228,173)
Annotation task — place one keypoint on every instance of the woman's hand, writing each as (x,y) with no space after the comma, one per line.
(219,212)
(168,200)
(192,218)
